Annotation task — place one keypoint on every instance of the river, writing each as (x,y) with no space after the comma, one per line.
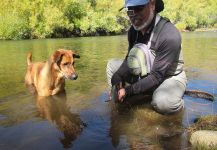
(82,118)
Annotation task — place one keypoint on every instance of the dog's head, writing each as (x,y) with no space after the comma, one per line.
(64,63)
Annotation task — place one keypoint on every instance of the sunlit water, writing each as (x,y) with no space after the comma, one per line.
(82,119)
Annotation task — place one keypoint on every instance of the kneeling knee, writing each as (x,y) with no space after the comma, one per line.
(166,105)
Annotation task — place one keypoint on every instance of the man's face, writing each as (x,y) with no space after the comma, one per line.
(141,16)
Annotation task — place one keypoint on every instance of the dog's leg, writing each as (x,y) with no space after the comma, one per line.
(29,84)
(28,81)
(59,86)
(31,88)
(55,91)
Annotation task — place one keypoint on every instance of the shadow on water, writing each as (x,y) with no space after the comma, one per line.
(55,110)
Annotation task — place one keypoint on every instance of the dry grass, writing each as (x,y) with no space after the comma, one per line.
(203,147)
(204,123)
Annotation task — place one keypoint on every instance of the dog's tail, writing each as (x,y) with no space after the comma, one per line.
(200,94)
(29,58)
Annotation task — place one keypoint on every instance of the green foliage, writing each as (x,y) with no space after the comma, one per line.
(76,10)
(101,18)
(98,22)
(65,18)
(191,14)
(51,19)
(13,27)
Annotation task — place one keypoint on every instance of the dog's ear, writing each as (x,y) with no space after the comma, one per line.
(74,55)
(56,57)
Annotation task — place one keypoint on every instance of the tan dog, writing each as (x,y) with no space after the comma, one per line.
(48,78)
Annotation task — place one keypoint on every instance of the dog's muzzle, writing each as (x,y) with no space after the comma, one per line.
(73,77)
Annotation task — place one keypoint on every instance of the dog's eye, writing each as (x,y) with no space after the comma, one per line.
(65,64)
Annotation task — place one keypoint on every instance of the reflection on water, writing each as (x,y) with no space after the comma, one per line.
(143,128)
(55,110)
(196,107)
(29,122)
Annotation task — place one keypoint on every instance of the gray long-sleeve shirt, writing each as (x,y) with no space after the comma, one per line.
(168,47)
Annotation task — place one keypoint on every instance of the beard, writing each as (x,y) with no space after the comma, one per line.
(145,24)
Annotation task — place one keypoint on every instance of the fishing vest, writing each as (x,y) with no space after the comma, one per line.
(149,49)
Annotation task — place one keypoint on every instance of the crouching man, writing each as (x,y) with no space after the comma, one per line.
(154,60)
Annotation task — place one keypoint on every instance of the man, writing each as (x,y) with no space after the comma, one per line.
(160,43)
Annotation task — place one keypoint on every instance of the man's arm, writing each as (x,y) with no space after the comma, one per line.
(166,54)
(121,74)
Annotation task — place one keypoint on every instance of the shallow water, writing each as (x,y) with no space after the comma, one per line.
(81,119)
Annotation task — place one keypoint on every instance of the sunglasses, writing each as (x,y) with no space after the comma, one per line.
(135,9)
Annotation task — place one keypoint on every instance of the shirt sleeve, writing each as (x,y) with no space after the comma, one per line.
(122,74)
(119,75)
(169,47)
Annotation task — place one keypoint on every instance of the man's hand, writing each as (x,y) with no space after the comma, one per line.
(117,93)
(121,94)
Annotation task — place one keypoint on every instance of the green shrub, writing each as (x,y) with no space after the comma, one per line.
(44,24)
(181,26)
(76,10)
(54,18)
(13,27)
(191,23)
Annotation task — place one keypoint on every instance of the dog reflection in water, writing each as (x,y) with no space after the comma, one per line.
(55,110)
